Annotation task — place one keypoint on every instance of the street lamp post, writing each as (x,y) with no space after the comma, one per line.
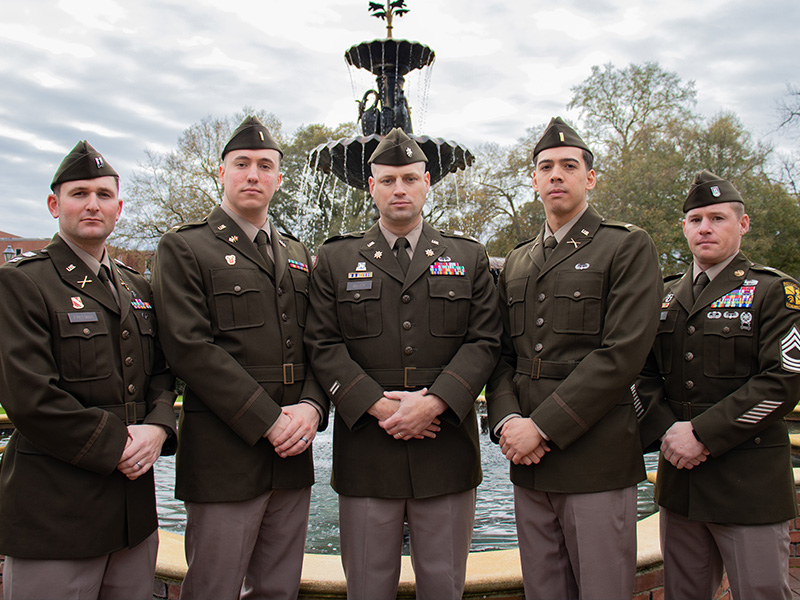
(9,253)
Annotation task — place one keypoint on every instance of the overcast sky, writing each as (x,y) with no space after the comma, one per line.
(132,75)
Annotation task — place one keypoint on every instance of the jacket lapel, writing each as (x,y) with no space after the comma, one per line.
(375,249)
(124,291)
(728,280)
(429,248)
(576,239)
(226,230)
(279,252)
(75,273)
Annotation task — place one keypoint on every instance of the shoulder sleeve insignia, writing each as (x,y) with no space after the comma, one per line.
(791,295)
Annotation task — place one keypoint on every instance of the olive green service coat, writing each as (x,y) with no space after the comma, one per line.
(233,331)
(730,362)
(75,370)
(577,331)
(370,329)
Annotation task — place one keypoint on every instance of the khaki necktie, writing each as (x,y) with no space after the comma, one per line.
(699,284)
(549,244)
(262,243)
(402,254)
(104,275)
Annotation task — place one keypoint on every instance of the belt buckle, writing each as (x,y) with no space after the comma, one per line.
(288,373)
(405,376)
(536,368)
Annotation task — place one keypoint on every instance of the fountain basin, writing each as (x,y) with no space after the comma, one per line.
(347,158)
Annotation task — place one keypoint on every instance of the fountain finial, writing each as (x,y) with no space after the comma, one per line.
(392,8)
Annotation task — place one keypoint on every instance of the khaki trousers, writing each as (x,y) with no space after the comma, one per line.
(440,529)
(251,549)
(577,545)
(756,558)
(126,574)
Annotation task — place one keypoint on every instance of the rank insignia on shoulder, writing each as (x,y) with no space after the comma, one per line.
(667,299)
(447,268)
(738,298)
(359,275)
(140,304)
(792,293)
(296,264)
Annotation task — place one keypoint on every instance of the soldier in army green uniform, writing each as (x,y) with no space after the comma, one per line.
(232,294)
(403,332)
(83,379)
(579,306)
(724,371)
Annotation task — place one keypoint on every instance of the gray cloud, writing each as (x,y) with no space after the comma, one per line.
(133,76)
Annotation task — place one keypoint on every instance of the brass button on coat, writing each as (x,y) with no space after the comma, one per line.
(406,325)
(689,385)
(538,347)
(125,334)
(408,350)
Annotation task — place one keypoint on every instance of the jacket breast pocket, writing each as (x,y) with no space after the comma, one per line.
(664,340)
(727,348)
(578,302)
(360,310)
(85,349)
(516,305)
(449,305)
(238,298)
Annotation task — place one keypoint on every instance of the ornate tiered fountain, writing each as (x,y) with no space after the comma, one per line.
(386,107)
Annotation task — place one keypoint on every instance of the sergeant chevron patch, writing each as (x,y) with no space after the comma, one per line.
(790,351)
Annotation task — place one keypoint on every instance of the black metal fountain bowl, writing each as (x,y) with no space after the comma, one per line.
(401,56)
(348,158)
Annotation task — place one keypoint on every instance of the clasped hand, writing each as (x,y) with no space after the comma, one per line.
(409,415)
(521,442)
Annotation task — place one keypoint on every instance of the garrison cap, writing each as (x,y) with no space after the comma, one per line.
(708,188)
(251,135)
(558,134)
(397,149)
(82,162)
